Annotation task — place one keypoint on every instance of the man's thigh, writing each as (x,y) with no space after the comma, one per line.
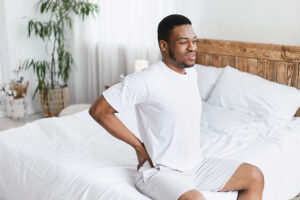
(164,184)
(213,173)
(245,175)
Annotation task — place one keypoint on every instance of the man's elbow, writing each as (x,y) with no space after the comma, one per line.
(100,110)
(92,111)
(95,112)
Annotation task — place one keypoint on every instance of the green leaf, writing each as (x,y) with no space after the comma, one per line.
(52,30)
(43,6)
(35,91)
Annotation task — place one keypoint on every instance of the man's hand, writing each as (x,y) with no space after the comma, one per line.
(143,156)
(104,114)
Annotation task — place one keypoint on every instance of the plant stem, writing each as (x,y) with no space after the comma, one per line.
(53,62)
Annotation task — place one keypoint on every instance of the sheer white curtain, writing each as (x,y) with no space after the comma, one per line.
(124,30)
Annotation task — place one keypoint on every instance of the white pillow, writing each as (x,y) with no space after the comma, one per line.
(207,79)
(254,95)
(71,109)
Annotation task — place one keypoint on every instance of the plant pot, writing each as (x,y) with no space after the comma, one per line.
(56,100)
(16,108)
(2,108)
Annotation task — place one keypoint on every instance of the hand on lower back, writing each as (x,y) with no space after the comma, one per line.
(143,156)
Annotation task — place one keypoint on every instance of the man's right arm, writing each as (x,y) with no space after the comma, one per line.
(104,114)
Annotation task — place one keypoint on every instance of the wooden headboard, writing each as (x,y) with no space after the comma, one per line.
(276,63)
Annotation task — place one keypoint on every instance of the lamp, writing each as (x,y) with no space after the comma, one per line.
(140,65)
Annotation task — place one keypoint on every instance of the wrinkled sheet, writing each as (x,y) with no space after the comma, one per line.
(73,157)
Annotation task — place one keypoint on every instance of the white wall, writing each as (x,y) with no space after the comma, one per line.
(191,9)
(4,69)
(19,46)
(263,21)
(3,45)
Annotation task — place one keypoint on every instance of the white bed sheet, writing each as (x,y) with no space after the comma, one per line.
(73,157)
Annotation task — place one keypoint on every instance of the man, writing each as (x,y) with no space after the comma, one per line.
(168,109)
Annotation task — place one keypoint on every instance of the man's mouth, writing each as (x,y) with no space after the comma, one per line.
(191,56)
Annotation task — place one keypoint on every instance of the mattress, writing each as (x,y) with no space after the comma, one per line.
(73,157)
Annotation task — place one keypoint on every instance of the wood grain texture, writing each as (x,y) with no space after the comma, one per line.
(262,68)
(200,58)
(281,72)
(249,50)
(298,77)
(298,113)
(203,58)
(241,64)
(252,66)
(291,74)
(216,60)
(271,70)
(225,60)
(276,63)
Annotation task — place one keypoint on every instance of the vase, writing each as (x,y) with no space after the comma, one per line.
(16,108)
(56,100)
(2,108)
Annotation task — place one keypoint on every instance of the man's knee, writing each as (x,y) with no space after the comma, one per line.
(256,177)
(192,195)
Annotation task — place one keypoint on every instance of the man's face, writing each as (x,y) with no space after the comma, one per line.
(182,46)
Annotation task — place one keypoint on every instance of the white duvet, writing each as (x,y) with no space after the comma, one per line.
(72,157)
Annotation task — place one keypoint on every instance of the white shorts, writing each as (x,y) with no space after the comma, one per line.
(211,174)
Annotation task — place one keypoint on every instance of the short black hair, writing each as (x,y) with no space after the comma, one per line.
(167,24)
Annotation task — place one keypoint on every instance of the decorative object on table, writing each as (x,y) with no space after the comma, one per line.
(140,65)
(121,78)
(6,96)
(53,74)
(108,86)
(14,94)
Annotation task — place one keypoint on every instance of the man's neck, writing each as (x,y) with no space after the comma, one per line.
(174,68)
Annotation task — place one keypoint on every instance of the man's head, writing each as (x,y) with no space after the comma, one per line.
(177,41)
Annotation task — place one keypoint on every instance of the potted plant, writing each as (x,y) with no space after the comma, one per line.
(53,74)
(14,95)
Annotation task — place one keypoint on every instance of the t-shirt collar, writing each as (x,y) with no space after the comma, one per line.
(179,75)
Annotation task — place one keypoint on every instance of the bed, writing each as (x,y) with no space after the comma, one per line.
(72,157)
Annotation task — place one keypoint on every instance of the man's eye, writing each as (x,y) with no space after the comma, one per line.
(194,41)
(183,42)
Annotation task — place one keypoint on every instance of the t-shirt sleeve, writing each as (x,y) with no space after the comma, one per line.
(131,91)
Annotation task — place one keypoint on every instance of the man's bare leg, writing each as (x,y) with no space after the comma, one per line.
(249,180)
(192,195)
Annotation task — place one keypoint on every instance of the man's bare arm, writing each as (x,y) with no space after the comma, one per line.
(104,114)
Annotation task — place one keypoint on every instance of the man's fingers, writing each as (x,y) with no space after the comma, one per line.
(140,164)
(150,162)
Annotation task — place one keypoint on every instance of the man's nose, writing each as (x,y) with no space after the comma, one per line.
(192,46)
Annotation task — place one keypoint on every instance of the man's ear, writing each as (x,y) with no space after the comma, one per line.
(163,46)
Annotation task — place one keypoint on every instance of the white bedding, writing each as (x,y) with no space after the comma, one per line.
(73,157)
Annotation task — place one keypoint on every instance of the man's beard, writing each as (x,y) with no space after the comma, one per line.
(178,64)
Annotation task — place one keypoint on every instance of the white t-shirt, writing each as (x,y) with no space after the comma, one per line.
(168,111)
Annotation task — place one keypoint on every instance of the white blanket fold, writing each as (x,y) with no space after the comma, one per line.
(74,158)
